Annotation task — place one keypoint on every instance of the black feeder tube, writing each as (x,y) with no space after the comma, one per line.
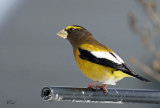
(115,95)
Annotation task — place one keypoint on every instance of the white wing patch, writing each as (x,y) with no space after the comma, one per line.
(107,55)
(118,58)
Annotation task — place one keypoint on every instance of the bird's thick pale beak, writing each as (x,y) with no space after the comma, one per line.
(62,34)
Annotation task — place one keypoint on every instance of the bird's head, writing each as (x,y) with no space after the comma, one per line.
(73,33)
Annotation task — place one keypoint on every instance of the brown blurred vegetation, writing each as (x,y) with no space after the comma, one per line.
(150,11)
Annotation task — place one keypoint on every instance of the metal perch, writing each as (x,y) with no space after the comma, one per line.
(115,95)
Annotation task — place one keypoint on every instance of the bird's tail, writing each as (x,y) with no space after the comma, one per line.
(133,74)
(141,78)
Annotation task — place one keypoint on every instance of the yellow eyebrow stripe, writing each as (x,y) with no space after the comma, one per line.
(67,28)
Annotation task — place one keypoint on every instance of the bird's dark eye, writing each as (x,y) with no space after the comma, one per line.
(71,29)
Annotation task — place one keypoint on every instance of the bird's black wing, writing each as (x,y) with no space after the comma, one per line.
(87,55)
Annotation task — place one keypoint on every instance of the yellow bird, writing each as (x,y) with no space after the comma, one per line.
(96,61)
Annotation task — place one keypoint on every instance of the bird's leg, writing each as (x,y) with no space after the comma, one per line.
(103,87)
(91,85)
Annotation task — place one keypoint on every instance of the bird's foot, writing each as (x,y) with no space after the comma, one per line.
(103,87)
(92,85)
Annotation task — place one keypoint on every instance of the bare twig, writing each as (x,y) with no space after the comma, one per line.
(146,69)
(149,7)
(133,22)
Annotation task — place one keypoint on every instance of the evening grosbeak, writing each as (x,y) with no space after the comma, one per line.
(96,61)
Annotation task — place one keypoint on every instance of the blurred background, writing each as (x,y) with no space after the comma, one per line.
(32,56)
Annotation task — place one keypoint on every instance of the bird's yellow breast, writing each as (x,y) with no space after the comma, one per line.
(97,72)
(93,71)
